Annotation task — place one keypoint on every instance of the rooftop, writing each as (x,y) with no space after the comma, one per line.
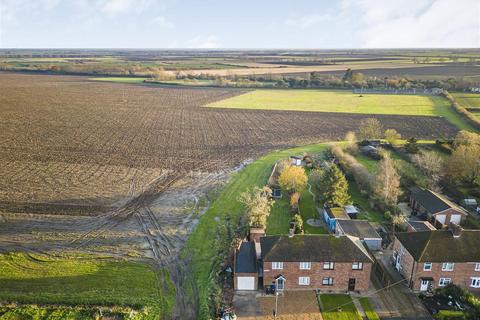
(313,248)
(441,246)
(359,228)
(421,225)
(432,201)
(245,261)
(338,213)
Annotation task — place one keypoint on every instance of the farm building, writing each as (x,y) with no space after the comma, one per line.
(332,215)
(425,202)
(362,230)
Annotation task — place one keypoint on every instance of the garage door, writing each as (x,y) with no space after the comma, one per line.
(246,283)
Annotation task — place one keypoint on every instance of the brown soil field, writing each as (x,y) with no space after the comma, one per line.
(119,169)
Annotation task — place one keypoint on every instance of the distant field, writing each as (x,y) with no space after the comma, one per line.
(80,280)
(344,102)
(471,101)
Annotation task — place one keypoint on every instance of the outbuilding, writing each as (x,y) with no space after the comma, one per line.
(245,275)
(362,230)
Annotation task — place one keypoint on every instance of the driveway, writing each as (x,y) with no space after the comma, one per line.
(398,301)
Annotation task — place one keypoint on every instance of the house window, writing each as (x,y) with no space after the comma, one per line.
(427,266)
(447,266)
(328,266)
(305,265)
(277,265)
(304,281)
(477,266)
(475,282)
(444,281)
(357,266)
(327,281)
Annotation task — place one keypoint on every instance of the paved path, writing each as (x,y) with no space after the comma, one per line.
(398,301)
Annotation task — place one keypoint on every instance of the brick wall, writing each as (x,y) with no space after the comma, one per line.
(407,261)
(460,275)
(341,274)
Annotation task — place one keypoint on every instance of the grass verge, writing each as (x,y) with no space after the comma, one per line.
(367,307)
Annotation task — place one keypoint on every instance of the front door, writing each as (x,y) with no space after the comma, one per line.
(424,285)
(280,284)
(351,284)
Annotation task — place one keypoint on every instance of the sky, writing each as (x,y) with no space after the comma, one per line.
(309,24)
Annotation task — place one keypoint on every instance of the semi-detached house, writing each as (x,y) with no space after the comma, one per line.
(434,258)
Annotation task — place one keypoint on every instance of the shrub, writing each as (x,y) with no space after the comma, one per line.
(298,224)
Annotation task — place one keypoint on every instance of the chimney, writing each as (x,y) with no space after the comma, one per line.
(455,229)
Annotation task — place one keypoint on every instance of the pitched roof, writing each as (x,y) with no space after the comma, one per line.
(313,248)
(432,201)
(245,261)
(441,246)
(358,228)
(421,225)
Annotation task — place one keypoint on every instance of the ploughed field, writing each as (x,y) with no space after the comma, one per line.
(70,142)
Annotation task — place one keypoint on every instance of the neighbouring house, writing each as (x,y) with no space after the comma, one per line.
(273,182)
(245,267)
(324,262)
(434,258)
(417,225)
(362,230)
(425,203)
(331,215)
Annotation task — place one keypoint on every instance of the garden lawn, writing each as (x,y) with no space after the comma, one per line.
(279,220)
(367,307)
(82,280)
(366,213)
(344,101)
(338,307)
(206,251)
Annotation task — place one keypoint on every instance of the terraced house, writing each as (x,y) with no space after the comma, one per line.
(325,262)
(434,258)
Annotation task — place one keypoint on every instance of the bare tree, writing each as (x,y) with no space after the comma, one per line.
(387,182)
(431,165)
(370,128)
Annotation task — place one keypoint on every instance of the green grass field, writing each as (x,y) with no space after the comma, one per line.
(202,248)
(469,100)
(83,280)
(338,307)
(344,101)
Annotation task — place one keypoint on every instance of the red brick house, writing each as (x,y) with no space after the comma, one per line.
(434,258)
(425,202)
(325,262)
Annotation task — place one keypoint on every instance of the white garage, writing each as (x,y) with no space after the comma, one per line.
(246,283)
(245,267)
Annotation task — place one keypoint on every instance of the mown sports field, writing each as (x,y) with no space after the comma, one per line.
(344,101)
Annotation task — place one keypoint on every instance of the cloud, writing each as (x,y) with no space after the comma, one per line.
(202,42)
(416,23)
(306,21)
(116,7)
(161,21)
